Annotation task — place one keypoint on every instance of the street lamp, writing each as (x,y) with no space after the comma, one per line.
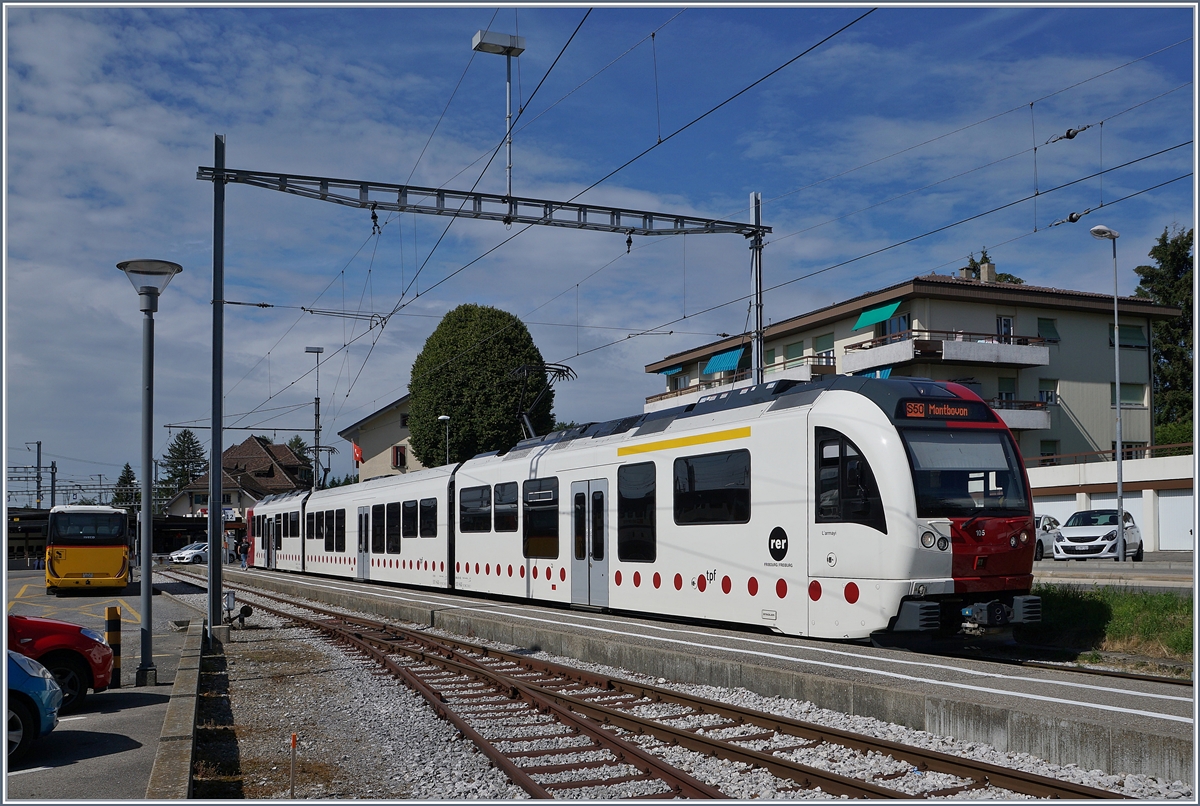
(445,418)
(149,278)
(317,415)
(1104,233)
(507,46)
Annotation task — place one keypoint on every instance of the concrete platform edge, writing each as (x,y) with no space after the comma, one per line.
(171,777)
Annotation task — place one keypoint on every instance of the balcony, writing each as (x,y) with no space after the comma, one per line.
(945,346)
(797,369)
(1022,415)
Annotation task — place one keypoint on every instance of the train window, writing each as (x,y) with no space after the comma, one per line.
(393,528)
(540,538)
(428,517)
(377,529)
(339,525)
(410,519)
(598,536)
(295,518)
(310,531)
(580,521)
(506,506)
(279,531)
(475,509)
(636,539)
(329,541)
(846,488)
(713,488)
(319,531)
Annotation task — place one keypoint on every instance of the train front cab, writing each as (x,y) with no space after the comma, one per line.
(957,554)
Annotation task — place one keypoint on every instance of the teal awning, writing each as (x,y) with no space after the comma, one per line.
(671,370)
(876,314)
(724,362)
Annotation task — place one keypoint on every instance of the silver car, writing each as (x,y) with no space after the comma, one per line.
(194,553)
(1092,534)
(1047,532)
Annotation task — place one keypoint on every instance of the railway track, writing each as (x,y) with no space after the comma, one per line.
(560,731)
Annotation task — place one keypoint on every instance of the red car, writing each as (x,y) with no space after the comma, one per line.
(79,658)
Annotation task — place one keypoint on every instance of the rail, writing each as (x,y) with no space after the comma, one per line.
(946,335)
(1128,452)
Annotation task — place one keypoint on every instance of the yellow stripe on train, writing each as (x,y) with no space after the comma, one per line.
(683,442)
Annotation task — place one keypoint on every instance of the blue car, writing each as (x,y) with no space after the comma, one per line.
(33,702)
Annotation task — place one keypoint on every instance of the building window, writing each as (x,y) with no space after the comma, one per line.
(793,351)
(895,329)
(636,540)
(1129,450)
(226,498)
(1131,336)
(680,382)
(200,499)
(1007,389)
(1048,329)
(823,345)
(1048,390)
(1133,395)
(713,488)
(399,457)
(1047,449)
(404,420)
(769,359)
(1004,329)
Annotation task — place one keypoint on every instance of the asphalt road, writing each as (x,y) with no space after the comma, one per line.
(106,749)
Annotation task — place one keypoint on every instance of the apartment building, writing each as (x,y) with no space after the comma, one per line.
(383,438)
(1041,357)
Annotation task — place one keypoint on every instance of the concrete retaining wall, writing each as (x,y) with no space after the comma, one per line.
(171,777)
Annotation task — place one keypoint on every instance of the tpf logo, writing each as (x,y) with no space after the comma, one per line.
(778,543)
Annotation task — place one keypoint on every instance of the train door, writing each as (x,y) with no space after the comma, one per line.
(589,542)
(364,544)
(272,524)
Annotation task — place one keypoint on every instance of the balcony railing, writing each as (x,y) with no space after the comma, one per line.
(1128,452)
(821,364)
(946,335)
(1018,405)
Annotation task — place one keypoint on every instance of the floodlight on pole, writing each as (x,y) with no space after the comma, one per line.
(150,279)
(1107,234)
(445,418)
(508,46)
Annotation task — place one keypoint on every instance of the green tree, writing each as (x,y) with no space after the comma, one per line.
(184,461)
(300,448)
(127,494)
(465,371)
(1169,282)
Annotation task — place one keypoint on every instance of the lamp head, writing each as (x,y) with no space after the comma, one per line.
(1104,233)
(149,278)
(443,418)
(492,42)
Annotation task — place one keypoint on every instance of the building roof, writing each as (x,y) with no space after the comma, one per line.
(257,467)
(934,286)
(350,433)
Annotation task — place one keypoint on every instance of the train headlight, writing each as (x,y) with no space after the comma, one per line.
(921,589)
(1012,541)
(1024,538)
(928,539)
(943,543)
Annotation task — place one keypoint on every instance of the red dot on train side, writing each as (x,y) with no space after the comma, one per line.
(510,570)
(781,588)
(701,583)
(487,569)
(548,572)
(477,568)
(752,586)
(522,572)
(442,566)
(678,582)
(657,580)
(535,572)
(457,567)
(637,579)
(562,574)
(726,584)
(617,578)
(814,590)
(851,592)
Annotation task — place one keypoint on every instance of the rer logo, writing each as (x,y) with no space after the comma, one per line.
(778,543)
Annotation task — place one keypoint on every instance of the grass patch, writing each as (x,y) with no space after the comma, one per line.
(1158,625)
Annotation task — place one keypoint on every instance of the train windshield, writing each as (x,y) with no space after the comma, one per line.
(87,529)
(964,473)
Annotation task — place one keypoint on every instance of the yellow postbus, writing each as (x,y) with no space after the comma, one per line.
(87,547)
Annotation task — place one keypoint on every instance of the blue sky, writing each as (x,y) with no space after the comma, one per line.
(909,120)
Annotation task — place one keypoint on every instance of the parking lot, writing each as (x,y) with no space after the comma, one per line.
(106,749)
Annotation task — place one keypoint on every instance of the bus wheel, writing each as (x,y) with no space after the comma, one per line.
(49,591)
(72,677)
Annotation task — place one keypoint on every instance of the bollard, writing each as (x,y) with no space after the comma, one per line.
(112,634)
(293,766)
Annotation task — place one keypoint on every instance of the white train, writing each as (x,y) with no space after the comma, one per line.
(833,509)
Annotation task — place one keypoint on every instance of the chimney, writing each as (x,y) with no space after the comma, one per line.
(987,272)
(968,273)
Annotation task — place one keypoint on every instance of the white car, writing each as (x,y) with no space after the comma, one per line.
(1047,532)
(1092,534)
(194,553)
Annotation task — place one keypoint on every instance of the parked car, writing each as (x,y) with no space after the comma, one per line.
(193,553)
(1047,532)
(33,702)
(1092,534)
(78,658)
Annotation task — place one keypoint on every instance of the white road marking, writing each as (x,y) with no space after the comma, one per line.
(31,769)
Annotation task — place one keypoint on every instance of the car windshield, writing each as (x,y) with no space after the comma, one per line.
(1094,517)
(87,529)
(960,472)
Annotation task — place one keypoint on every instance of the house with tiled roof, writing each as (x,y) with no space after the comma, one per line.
(251,471)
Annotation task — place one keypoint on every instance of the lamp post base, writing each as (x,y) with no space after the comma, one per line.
(146,676)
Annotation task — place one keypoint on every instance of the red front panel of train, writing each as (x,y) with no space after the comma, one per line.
(984,557)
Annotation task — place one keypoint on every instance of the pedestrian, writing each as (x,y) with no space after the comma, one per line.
(244,551)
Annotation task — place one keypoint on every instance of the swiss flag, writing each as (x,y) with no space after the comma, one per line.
(357,452)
